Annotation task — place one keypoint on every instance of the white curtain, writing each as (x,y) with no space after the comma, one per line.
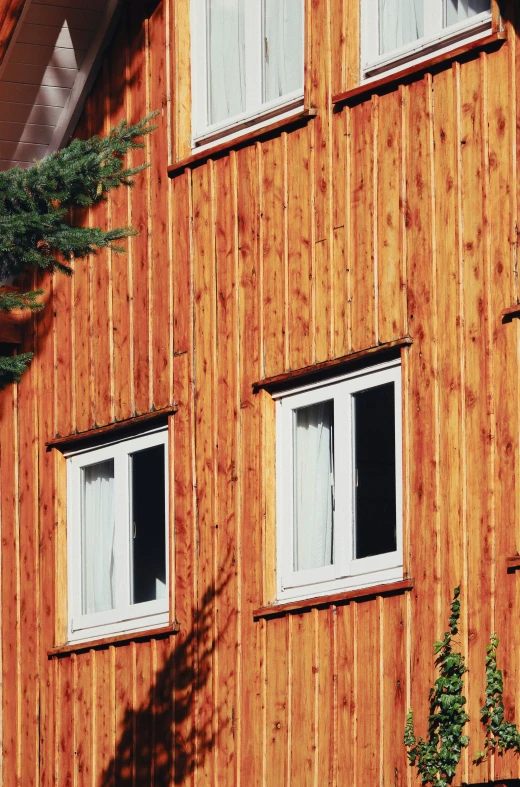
(313,486)
(98,525)
(400,23)
(459,10)
(226,55)
(282,47)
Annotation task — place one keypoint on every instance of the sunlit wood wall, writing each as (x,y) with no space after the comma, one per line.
(393,215)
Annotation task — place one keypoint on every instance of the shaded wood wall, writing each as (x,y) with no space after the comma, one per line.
(395,216)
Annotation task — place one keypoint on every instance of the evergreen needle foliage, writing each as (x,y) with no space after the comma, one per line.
(15,300)
(36,230)
(500,734)
(437,757)
(11,369)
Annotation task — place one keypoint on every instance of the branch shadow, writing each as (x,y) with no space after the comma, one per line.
(161,736)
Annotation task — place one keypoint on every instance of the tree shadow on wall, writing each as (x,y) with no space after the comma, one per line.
(159,742)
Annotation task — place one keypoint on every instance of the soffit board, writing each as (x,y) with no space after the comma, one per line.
(46,72)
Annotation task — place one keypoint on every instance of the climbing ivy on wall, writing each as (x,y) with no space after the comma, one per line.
(437,757)
(501,735)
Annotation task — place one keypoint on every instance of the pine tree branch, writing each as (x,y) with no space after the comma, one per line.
(35,204)
(12,368)
(35,214)
(17,300)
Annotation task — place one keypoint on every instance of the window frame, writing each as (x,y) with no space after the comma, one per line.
(125,617)
(257,112)
(346,572)
(437,39)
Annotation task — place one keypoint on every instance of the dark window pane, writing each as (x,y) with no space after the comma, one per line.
(148,525)
(375,505)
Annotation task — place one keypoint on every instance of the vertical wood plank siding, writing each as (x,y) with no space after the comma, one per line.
(396,215)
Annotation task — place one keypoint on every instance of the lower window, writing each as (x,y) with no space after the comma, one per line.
(117,534)
(338,482)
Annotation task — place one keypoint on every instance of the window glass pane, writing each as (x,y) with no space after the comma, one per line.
(459,10)
(282,48)
(225,79)
(97,527)
(148,525)
(375,503)
(313,486)
(400,23)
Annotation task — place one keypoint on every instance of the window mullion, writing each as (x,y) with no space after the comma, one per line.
(199,70)
(75,543)
(287,463)
(433,18)
(370,31)
(122,530)
(253,53)
(342,474)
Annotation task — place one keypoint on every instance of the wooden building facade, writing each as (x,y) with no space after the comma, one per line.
(381,222)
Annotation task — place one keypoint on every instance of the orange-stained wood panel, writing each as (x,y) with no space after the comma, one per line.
(29,569)
(138,31)
(325,638)
(449,283)
(249,467)
(274,234)
(478,403)
(423,491)
(204,352)
(363,129)
(391,318)
(160,186)
(101,283)
(299,285)
(80,365)
(394,215)
(504,355)
(226,493)
(119,96)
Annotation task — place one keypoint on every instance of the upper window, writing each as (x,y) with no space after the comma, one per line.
(247,63)
(117,537)
(396,32)
(338,483)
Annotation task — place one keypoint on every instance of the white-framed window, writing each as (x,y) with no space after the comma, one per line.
(117,536)
(396,33)
(339,483)
(247,64)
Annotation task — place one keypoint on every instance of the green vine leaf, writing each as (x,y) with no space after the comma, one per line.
(501,735)
(437,757)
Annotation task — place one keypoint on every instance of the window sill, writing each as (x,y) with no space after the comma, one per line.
(199,157)
(304,605)
(367,88)
(116,639)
